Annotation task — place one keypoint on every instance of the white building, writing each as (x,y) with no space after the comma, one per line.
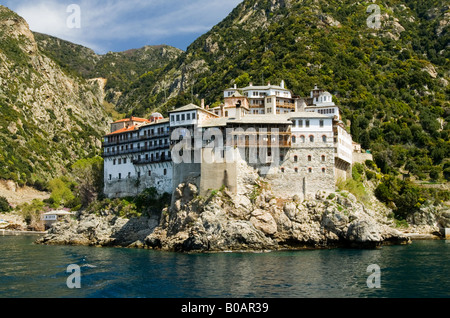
(138,157)
(313,148)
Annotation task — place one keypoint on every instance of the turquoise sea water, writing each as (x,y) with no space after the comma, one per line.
(420,270)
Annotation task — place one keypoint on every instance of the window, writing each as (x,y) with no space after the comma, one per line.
(309,170)
(324,170)
(294,140)
(165,172)
(183,117)
(321,123)
(226,114)
(114,162)
(311,138)
(324,138)
(309,158)
(120,161)
(188,116)
(124,160)
(149,173)
(129,174)
(110,177)
(323,158)
(302,139)
(120,176)
(307,124)
(282,170)
(172,118)
(295,158)
(296,170)
(178,117)
(300,123)
(139,174)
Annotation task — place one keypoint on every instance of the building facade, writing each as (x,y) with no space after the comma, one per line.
(298,145)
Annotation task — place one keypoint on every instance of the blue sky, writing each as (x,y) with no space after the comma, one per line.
(113,25)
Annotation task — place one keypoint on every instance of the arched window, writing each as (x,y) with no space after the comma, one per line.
(296,170)
(323,158)
(324,138)
(294,140)
(302,139)
(282,170)
(311,138)
(309,170)
(324,170)
(295,158)
(309,158)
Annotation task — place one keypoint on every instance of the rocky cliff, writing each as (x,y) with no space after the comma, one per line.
(49,118)
(227,222)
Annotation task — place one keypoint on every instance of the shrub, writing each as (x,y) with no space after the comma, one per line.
(4,205)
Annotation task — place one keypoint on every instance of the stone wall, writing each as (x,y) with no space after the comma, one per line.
(160,177)
(361,157)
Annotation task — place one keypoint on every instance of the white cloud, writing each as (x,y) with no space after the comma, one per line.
(107,21)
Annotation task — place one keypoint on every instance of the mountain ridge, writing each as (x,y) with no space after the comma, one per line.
(119,68)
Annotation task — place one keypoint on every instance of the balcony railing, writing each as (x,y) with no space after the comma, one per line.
(113,153)
(144,161)
(136,139)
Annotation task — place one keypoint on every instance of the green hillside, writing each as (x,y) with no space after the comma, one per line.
(119,68)
(392,82)
(48,118)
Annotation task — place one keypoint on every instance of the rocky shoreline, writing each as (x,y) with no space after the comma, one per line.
(225,222)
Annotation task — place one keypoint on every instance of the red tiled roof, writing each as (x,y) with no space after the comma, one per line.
(126,129)
(132,119)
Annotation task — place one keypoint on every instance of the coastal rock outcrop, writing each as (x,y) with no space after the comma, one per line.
(227,222)
(221,223)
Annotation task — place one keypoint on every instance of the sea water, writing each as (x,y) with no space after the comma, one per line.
(419,270)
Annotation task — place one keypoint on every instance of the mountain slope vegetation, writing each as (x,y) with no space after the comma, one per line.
(49,118)
(391,82)
(120,69)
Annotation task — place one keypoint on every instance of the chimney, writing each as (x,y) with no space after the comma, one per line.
(238,110)
(235,86)
(251,84)
(203,103)
(282,84)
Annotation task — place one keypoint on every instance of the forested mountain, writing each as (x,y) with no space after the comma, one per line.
(391,81)
(119,68)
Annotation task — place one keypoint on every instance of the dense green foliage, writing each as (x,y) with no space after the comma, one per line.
(144,204)
(89,179)
(4,205)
